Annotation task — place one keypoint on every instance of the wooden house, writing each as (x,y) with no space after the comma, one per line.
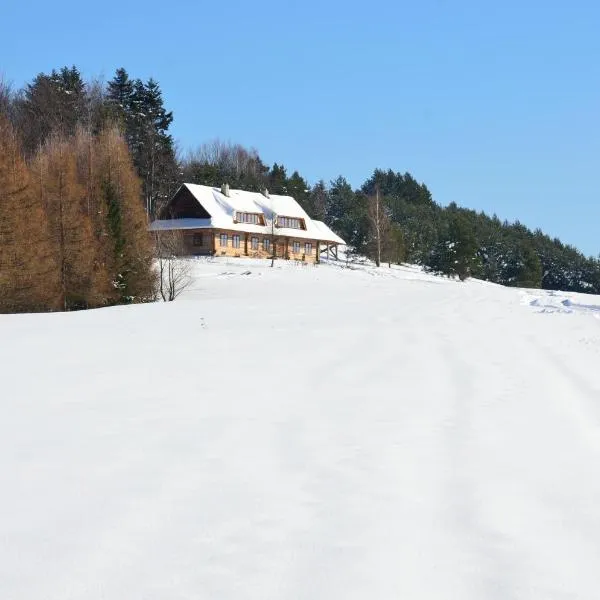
(224,222)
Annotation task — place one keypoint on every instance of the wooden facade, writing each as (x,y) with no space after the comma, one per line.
(221,242)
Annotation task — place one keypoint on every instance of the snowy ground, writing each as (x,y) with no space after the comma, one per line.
(304,433)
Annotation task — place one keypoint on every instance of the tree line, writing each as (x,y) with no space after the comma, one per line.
(73,232)
(84,165)
(393,218)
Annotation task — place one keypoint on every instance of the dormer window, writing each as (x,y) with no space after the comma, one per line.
(291,223)
(251,218)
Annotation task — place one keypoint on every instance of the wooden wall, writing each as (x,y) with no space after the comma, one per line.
(211,244)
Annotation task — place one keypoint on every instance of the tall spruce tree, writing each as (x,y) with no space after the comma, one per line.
(139,109)
(297,187)
(317,201)
(277,180)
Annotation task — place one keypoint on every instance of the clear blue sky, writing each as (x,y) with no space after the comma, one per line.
(494,105)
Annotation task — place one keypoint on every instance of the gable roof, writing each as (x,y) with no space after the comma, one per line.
(222,211)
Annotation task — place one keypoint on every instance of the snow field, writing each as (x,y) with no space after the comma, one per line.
(304,433)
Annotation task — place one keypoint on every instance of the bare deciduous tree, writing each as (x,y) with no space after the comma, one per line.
(218,161)
(380,225)
(174,272)
(272,239)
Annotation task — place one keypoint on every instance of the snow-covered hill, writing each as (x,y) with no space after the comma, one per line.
(304,433)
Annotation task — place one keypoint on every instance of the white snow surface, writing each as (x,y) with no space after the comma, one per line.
(304,433)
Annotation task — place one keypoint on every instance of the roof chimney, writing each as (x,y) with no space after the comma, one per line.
(225,189)
(265,193)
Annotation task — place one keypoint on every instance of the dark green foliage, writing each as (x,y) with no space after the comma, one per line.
(523,267)
(316,204)
(397,188)
(394,249)
(346,213)
(463,242)
(52,103)
(277,181)
(119,98)
(455,252)
(139,110)
(298,189)
(114,218)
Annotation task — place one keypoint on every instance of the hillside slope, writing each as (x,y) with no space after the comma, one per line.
(314,433)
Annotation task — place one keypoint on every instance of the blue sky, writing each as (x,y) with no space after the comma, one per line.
(494,105)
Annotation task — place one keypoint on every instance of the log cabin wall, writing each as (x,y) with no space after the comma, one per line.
(238,244)
(197,242)
(252,245)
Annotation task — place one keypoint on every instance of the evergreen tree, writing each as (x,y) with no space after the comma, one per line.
(51,104)
(277,180)
(120,94)
(152,146)
(139,109)
(346,214)
(455,251)
(317,201)
(297,187)
(394,250)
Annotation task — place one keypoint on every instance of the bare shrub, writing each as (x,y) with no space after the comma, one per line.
(174,272)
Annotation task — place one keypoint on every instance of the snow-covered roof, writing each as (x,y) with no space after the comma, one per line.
(222,209)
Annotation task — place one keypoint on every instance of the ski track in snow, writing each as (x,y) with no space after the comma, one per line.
(304,433)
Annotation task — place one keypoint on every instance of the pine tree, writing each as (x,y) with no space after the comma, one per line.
(317,201)
(298,189)
(277,180)
(151,146)
(119,97)
(346,213)
(51,104)
(456,250)
(394,250)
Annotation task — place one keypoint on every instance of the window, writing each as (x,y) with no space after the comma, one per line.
(290,223)
(308,249)
(267,245)
(236,241)
(252,218)
(224,240)
(296,248)
(197,239)
(254,243)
